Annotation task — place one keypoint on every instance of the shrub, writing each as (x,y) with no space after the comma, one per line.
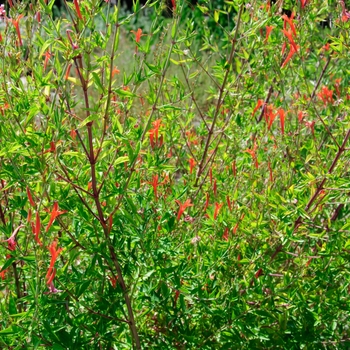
(166,190)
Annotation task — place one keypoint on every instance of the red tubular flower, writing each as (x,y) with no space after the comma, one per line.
(268,32)
(183,207)
(51,272)
(77,9)
(303,3)
(290,22)
(282,116)
(269,116)
(151,138)
(29,216)
(30,198)
(37,228)
(215,188)
(15,22)
(138,35)
(292,51)
(225,235)
(300,116)
(258,273)
(68,71)
(326,95)
(110,222)
(155,184)
(192,164)
(289,36)
(47,57)
(217,209)
(259,104)
(157,124)
(173,2)
(52,148)
(113,281)
(253,155)
(154,134)
(115,71)
(54,214)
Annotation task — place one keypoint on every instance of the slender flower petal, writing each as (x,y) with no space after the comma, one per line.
(290,22)
(217,209)
(259,104)
(54,214)
(77,9)
(30,198)
(155,185)
(15,22)
(183,207)
(192,164)
(225,235)
(268,32)
(51,272)
(138,35)
(37,228)
(289,36)
(290,55)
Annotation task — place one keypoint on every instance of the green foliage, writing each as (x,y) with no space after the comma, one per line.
(174,183)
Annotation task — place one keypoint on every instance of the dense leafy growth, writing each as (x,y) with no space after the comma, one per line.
(176,177)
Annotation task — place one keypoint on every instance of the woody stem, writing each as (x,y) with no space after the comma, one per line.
(201,166)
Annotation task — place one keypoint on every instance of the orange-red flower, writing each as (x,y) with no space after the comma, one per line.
(154,133)
(253,155)
(138,35)
(282,116)
(268,32)
(115,71)
(155,185)
(289,36)
(47,55)
(192,164)
(54,214)
(30,198)
(326,95)
(225,235)
(51,272)
(183,207)
(15,22)
(289,20)
(292,51)
(217,209)
(77,9)
(259,104)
